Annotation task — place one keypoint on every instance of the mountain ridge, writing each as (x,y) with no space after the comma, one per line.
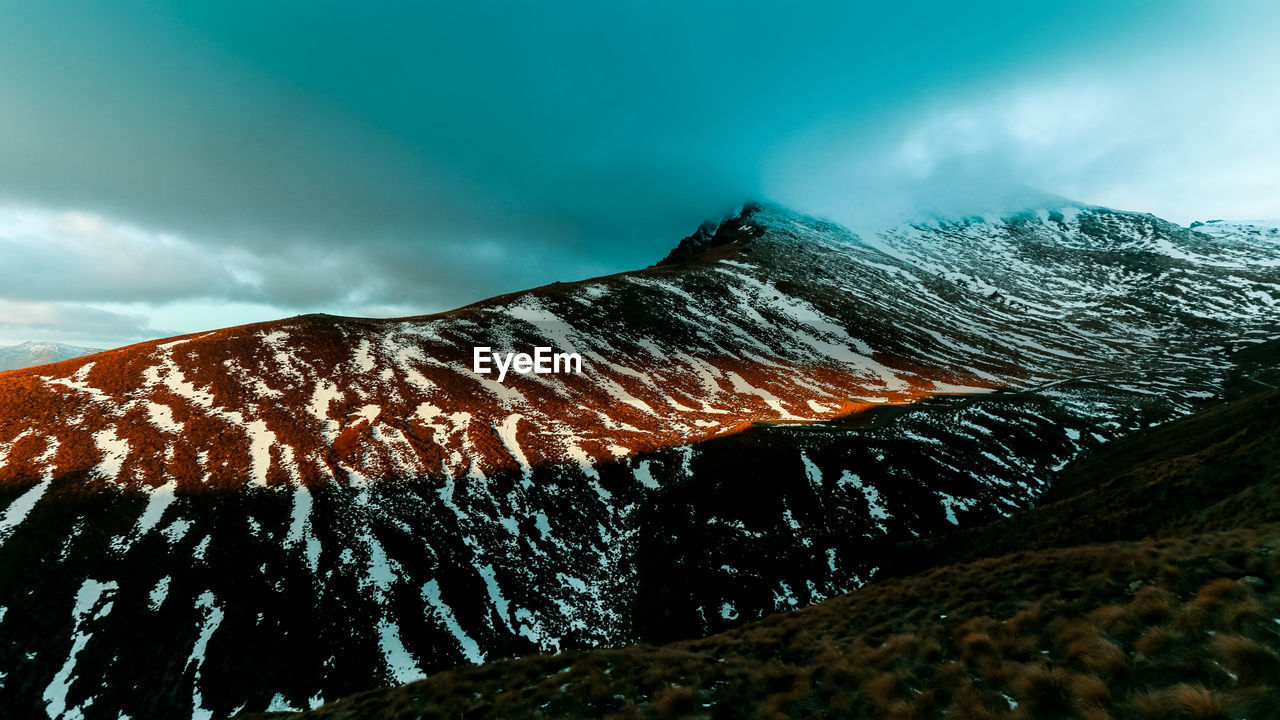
(344,498)
(32,353)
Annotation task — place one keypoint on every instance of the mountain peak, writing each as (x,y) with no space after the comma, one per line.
(735,228)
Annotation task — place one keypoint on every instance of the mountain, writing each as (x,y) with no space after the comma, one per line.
(39,353)
(1147,587)
(299,510)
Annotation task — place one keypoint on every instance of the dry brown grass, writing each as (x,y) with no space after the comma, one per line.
(1152,604)
(1043,690)
(1070,643)
(1182,702)
(1158,641)
(968,704)
(1250,661)
(1090,691)
(882,690)
(671,703)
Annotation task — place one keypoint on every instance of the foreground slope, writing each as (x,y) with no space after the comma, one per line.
(1178,619)
(298,510)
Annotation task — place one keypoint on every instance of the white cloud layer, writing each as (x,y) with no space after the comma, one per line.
(73,323)
(78,276)
(81,256)
(1187,135)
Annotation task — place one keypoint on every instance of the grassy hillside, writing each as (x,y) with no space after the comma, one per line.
(1146,585)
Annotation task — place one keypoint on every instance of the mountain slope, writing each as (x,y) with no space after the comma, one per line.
(303,509)
(1213,471)
(1179,622)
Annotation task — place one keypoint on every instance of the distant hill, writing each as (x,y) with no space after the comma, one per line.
(29,354)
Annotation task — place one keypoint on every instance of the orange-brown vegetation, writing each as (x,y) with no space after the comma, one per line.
(322,394)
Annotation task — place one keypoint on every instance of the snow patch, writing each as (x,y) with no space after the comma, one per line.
(93,597)
(644,476)
(114,450)
(159,592)
(22,506)
(470,649)
(207,605)
(162,417)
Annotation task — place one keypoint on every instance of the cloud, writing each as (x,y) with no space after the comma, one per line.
(1181,152)
(1186,135)
(71,323)
(74,275)
(82,256)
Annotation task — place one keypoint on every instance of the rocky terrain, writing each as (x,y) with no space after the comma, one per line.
(274,515)
(1147,585)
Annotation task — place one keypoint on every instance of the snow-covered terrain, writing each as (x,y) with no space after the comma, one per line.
(274,514)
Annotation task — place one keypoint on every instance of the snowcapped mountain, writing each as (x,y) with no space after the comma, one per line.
(274,514)
(39,353)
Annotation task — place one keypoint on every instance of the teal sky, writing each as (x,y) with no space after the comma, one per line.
(170,167)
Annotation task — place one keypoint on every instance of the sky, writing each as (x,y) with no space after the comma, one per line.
(180,166)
